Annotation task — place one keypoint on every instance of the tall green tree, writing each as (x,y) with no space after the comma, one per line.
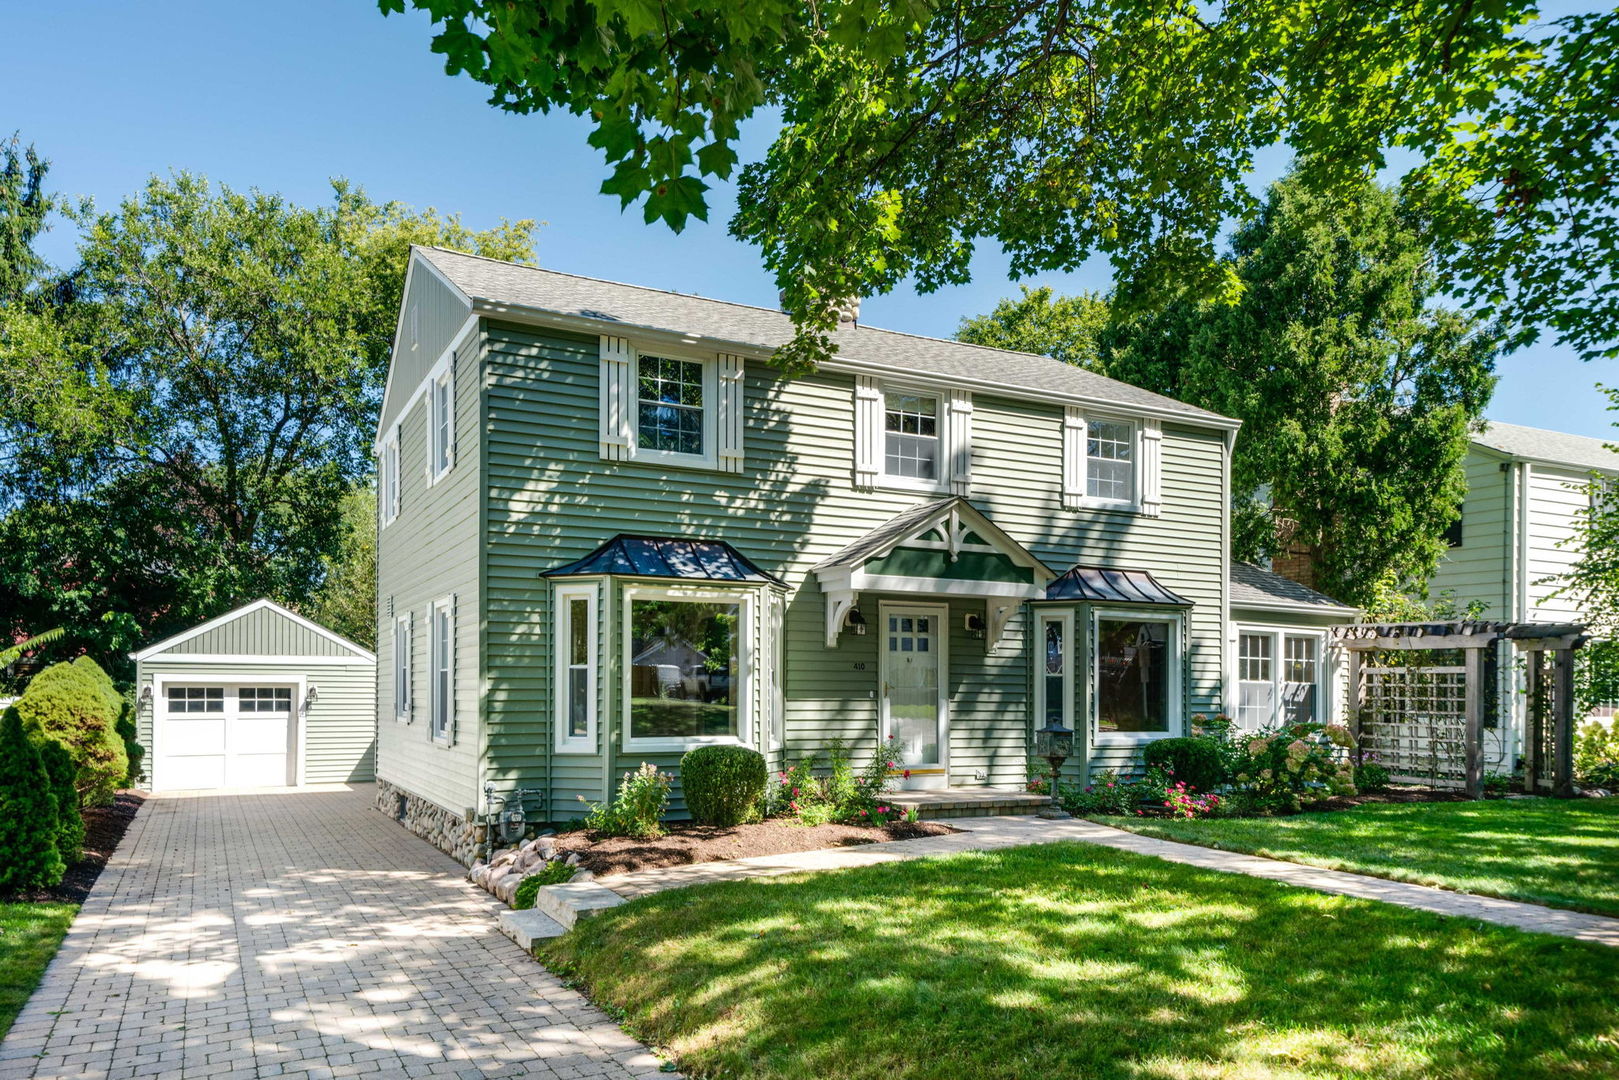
(912,131)
(1356,390)
(25,206)
(181,426)
(1068,328)
(346,599)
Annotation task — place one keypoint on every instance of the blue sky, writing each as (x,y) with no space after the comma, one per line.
(287,95)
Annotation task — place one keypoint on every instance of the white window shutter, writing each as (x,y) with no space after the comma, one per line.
(1151,470)
(616,384)
(410,666)
(1073,458)
(868,432)
(396,449)
(728,418)
(959,433)
(449,448)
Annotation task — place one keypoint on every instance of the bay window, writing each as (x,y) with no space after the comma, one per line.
(576,668)
(1054,677)
(1137,676)
(687,668)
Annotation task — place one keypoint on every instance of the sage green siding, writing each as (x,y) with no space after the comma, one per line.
(430,552)
(552,498)
(265,632)
(440,313)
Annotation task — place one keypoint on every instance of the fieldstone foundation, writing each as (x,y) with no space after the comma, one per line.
(450,832)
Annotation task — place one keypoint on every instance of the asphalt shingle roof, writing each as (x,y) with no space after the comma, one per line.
(1542,445)
(1252,584)
(631,306)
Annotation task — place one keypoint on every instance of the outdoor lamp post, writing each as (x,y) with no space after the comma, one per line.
(1055,743)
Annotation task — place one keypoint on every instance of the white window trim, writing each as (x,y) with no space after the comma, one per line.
(772,630)
(745,636)
(886,481)
(709,459)
(443,375)
(1279,636)
(1177,687)
(403,675)
(1086,499)
(1065,619)
(390,474)
(562,622)
(440,728)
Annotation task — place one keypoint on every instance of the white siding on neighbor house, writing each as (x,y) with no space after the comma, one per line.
(1557,501)
(1480,568)
(431,551)
(339,729)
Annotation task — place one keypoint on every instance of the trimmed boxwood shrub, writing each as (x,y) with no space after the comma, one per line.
(68,704)
(29,858)
(723,785)
(63,777)
(1195,761)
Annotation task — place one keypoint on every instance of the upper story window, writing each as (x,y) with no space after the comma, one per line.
(670,413)
(1110,461)
(441,418)
(388,481)
(911,436)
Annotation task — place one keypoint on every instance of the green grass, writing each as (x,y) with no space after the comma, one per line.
(29,937)
(1071,961)
(1560,852)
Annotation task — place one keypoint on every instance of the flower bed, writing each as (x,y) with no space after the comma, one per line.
(686,842)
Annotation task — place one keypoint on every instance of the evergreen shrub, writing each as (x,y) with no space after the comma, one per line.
(723,785)
(29,858)
(70,705)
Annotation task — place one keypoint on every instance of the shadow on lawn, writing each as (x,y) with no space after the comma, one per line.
(1079,962)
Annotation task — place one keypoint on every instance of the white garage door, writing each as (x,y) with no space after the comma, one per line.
(234,735)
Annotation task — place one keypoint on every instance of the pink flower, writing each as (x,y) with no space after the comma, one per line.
(882,809)
(907,771)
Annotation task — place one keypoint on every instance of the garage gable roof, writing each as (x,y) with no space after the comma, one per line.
(258,631)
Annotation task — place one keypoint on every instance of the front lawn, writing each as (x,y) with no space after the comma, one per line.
(1561,852)
(29,936)
(1067,960)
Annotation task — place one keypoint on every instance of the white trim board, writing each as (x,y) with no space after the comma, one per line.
(416,259)
(462,336)
(231,616)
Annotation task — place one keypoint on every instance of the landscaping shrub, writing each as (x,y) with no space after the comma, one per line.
(68,704)
(643,798)
(844,794)
(134,751)
(1596,754)
(1196,761)
(723,785)
(556,872)
(1498,784)
(1279,766)
(29,858)
(63,780)
(1370,776)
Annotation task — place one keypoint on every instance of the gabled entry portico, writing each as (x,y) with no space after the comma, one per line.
(897,582)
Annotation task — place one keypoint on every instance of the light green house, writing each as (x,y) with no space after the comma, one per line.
(610,530)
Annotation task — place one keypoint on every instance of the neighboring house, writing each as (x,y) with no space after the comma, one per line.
(926,539)
(259,697)
(1286,668)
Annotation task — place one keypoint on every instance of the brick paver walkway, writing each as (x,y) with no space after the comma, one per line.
(990,833)
(298,935)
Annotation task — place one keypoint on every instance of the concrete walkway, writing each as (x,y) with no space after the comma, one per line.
(991,833)
(298,935)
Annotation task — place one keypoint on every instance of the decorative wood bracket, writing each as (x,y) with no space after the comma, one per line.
(998,612)
(839,602)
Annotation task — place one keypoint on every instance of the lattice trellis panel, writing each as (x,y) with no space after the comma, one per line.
(1414,718)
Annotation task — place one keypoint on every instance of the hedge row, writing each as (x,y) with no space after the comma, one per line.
(67,743)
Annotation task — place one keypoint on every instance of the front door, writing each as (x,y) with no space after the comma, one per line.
(913,702)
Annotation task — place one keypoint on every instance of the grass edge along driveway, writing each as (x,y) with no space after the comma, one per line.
(1074,960)
(1558,852)
(30,934)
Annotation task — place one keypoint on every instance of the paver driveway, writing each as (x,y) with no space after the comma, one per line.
(298,935)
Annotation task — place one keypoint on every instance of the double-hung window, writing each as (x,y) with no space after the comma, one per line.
(1278,678)
(388,484)
(1137,678)
(911,437)
(576,667)
(441,437)
(401,673)
(441,669)
(673,414)
(1110,461)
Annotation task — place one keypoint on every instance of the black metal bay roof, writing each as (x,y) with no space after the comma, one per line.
(667,557)
(1096,584)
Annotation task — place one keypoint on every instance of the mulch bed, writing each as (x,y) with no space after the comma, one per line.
(687,842)
(104,827)
(1392,795)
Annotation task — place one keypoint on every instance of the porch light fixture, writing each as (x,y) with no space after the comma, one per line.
(311,697)
(974,625)
(1055,743)
(145,698)
(856,622)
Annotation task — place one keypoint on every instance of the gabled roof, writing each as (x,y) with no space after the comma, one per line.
(244,611)
(1538,444)
(920,519)
(1102,585)
(1254,587)
(668,557)
(497,287)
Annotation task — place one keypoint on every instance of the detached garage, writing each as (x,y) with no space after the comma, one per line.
(259,697)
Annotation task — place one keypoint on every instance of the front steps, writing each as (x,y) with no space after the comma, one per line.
(968,802)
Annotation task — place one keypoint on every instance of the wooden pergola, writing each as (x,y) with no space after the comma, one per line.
(1450,703)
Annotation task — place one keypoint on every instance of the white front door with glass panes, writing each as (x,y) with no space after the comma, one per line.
(913,710)
(1279,676)
(224,736)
